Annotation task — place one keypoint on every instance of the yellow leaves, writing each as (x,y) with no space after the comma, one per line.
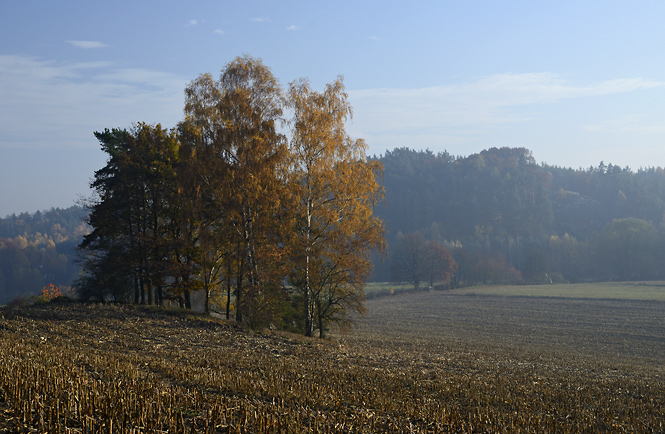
(238,189)
(334,191)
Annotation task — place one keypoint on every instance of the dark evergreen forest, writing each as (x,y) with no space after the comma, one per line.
(504,217)
(508,219)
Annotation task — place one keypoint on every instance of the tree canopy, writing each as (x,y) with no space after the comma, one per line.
(277,229)
(333,192)
(507,219)
(261,205)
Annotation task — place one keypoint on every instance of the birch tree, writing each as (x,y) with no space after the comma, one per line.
(334,190)
(237,118)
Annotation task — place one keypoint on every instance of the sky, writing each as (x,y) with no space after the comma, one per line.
(576,82)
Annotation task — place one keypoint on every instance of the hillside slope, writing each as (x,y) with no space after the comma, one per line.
(99,368)
(39,249)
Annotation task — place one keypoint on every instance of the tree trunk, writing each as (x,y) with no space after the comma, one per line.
(150,293)
(228,289)
(188,299)
(309,311)
(137,290)
(322,332)
(308,317)
(142,285)
(239,283)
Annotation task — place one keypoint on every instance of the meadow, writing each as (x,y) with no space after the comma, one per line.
(597,290)
(430,362)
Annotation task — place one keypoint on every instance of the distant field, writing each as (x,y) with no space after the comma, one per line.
(603,290)
(373,289)
(506,319)
(539,342)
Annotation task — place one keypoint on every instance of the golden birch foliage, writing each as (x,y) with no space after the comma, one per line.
(334,191)
(234,205)
(236,118)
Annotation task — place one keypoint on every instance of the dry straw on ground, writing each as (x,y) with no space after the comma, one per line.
(107,368)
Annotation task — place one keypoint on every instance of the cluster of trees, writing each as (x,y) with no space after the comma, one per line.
(507,219)
(272,220)
(417,260)
(39,249)
(271,217)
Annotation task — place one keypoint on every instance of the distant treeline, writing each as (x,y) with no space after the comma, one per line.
(39,249)
(507,219)
(503,216)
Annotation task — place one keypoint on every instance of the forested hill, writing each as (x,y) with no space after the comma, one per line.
(504,217)
(501,207)
(39,249)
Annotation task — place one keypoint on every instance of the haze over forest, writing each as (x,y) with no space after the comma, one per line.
(447,76)
(475,191)
(504,217)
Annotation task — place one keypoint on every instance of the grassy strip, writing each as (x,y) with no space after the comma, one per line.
(600,290)
(379,289)
(597,290)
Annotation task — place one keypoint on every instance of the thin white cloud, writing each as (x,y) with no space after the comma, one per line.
(259,19)
(459,113)
(219,32)
(87,44)
(629,123)
(192,22)
(374,38)
(293,27)
(534,88)
(48,104)
(69,101)
(487,99)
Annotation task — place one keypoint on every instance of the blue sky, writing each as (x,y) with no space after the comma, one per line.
(577,82)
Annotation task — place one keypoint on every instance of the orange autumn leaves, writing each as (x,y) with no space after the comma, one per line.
(264,199)
(50,292)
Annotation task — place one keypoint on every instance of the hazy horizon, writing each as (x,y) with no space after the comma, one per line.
(576,83)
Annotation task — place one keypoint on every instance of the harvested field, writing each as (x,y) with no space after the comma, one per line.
(430,362)
(624,331)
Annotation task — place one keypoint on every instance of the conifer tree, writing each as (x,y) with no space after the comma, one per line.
(132,215)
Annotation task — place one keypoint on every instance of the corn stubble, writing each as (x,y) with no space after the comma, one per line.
(106,368)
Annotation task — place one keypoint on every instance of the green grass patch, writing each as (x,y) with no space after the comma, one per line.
(378,289)
(597,290)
